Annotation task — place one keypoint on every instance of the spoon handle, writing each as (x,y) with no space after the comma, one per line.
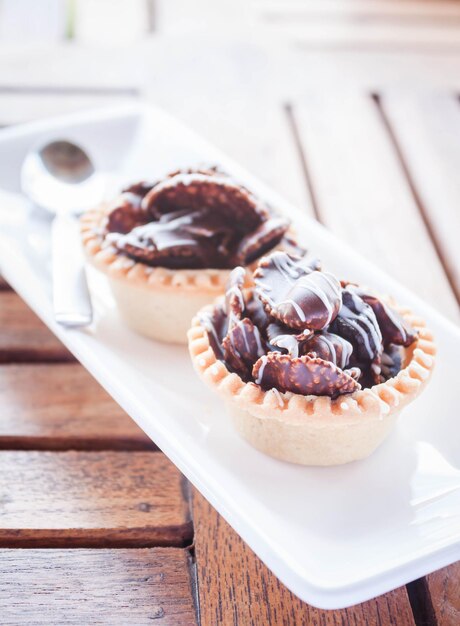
(71,299)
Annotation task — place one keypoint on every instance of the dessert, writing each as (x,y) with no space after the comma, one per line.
(314,371)
(168,247)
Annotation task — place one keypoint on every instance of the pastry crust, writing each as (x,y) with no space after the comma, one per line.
(155,301)
(317,430)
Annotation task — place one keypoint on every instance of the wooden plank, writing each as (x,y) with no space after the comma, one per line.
(368,35)
(274,73)
(24,106)
(264,144)
(413,10)
(236,588)
(23,336)
(112,69)
(91,499)
(63,408)
(426,128)
(362,194)
(75,587)
(443,587)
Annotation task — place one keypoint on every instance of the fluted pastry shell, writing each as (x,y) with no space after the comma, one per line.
(316,430)
(155,301)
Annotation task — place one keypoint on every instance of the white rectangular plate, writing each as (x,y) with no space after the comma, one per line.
(334,536)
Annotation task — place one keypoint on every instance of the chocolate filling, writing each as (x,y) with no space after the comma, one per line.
(333,339)
(193,219)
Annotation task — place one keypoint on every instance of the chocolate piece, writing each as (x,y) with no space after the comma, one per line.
(357,323)
(215,322)
(140,188)
(234,299)
(393,328)
(126,214)
(391,362)
(295,293)
(329,347)
(242,347)
(303,375)
(214,193)
(256,312)
(264,238)
(192,219)
(282,337)
(178,240)
(338,360)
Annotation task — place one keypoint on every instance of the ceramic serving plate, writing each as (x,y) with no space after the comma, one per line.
(334,536)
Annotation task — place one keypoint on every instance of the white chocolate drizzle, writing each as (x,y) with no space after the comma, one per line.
(260,373)
(367,317)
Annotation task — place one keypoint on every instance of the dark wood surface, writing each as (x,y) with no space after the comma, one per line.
(77,498)
(443,589)
(81,414)
(100,586)
(239,589)
(23,337)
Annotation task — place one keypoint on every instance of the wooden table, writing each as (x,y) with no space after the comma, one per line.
(96,525)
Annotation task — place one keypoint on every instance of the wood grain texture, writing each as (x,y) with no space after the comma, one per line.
(264,144)
(443,587)
(426,129)
(75,587)
(337,9)
(60,406)
(362,195)
(27,106)
(375,34)
(235,587)
(23,336)
(83,499)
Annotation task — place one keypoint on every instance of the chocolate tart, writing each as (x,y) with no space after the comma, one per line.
(168,247)
(313,371)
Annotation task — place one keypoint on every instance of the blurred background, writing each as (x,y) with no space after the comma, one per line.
(349,108)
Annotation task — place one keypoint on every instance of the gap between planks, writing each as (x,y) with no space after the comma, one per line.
(426,609)
(89,499)
(424,129)
(81,416)
(421,603)
(240,589)
(353,199)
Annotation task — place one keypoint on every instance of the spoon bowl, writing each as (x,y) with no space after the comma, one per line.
(59,176)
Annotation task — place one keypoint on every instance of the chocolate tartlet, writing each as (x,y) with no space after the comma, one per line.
(168,247)
(314,371)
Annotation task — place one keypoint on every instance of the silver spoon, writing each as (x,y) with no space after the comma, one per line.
(60,177)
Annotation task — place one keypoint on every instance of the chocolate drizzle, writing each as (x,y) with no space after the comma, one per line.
(193,219)
(356,322)
(334,340)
